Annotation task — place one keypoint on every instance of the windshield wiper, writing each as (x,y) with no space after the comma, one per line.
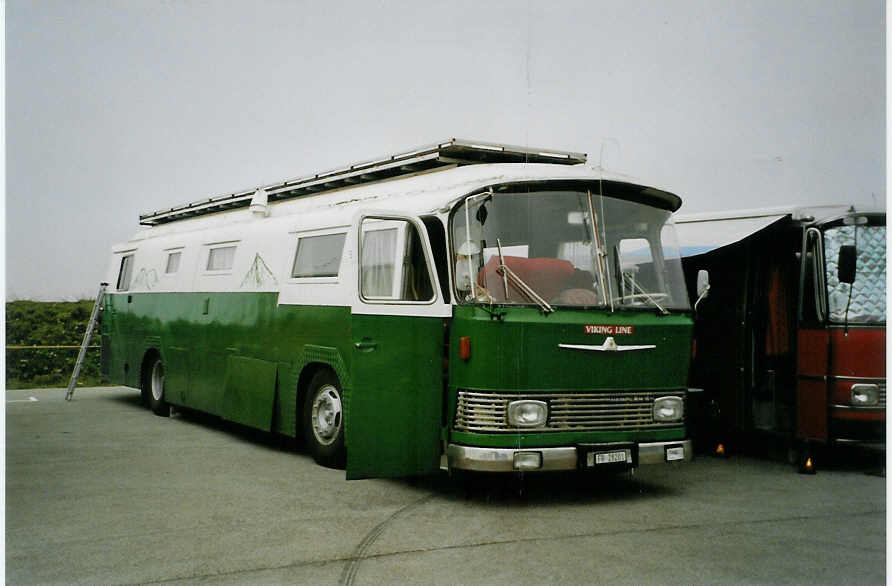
(507,274)
(649,296)
(599,252)
(524,288)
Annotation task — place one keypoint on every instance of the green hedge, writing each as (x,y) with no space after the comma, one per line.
(56,323)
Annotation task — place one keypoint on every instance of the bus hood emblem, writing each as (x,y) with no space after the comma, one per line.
(609,345)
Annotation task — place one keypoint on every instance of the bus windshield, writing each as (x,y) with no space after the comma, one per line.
(865,300)
(543,246)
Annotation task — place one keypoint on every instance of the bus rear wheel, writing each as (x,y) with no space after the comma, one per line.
(154,388)
(323,420)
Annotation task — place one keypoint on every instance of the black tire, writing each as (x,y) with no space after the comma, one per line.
(323,420)
(153,387)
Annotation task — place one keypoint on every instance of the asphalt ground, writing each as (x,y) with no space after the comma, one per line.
(100,491)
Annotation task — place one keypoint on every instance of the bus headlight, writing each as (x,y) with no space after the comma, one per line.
(527,413)
(667,409)
(864,395)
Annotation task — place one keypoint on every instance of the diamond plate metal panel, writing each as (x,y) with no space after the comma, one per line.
(868,303)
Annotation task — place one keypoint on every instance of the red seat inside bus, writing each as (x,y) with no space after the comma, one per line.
(548,277)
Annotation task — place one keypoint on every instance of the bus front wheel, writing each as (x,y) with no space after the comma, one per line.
(323,419)
(155,387)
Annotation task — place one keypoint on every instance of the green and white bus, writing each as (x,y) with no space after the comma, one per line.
(466,305)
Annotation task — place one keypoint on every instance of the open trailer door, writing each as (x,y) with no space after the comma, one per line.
(396,401)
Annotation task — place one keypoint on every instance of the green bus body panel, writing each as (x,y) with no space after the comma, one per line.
(393,425)
(520,353)
(241,355)
(249,392)
(236,355)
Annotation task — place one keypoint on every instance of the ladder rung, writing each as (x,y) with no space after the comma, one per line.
(86,343)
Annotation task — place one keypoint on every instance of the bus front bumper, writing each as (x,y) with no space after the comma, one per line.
(562,458)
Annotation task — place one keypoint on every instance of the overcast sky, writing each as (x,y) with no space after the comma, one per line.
(117,108)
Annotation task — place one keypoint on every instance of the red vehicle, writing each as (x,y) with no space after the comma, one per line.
(790,346)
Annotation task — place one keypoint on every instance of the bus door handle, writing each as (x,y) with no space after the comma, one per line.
(366,345)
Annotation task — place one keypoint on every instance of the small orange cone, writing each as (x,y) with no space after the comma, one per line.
(808,466)
(720,450)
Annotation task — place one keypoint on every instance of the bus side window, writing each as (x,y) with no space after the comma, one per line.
(811,295)
(318,256)
(436,235)
(393,266)
(173,262)
(416,280)
(125,273)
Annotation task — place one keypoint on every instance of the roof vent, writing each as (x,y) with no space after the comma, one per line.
(259,203)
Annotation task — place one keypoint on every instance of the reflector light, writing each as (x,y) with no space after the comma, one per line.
(464,347)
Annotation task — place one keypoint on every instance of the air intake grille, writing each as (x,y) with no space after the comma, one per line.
(487,412)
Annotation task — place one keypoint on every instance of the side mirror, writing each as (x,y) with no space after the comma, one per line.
(846,263)
(702,286)
(702,283)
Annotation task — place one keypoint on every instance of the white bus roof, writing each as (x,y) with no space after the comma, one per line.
(427,191)
(450,152)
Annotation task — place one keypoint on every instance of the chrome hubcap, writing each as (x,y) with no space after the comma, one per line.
(326,415)
(157,381)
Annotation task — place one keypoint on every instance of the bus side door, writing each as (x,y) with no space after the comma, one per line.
(394,409)
(813,344)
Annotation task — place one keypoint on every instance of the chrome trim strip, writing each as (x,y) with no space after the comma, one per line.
(560,458)
(655,453)
(820,377)
(860,379)
(485,412)
(877,408)
(609,345)
(502,459)
(870,444)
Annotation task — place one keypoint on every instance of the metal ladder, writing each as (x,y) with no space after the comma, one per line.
(87,335)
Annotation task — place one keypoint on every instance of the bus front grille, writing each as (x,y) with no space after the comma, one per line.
(487,412)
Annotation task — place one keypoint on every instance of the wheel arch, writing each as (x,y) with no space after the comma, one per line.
(310,359)
(303,386)
(145,366)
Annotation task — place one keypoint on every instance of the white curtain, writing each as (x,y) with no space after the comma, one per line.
(378,251)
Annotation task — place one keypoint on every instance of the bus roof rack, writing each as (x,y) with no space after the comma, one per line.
(453,151)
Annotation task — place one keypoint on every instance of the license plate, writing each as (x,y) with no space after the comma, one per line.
(674,454)
(597,458)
